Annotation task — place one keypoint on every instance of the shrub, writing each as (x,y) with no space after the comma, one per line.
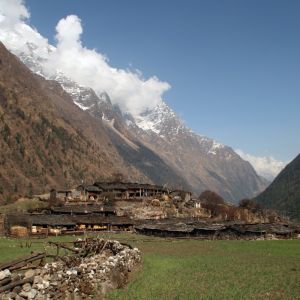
(211,197)
(5,132)
(155,202)
(20,113)
(249,204)
(214,203)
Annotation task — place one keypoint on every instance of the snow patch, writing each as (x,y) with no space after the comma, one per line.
(159,119)
(82,106)
(147,124)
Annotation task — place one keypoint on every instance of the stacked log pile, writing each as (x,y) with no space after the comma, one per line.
(95,267)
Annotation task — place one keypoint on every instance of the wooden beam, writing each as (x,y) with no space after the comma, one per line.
(64,246)
(28,258)
(5,281)
(24,263)
(10,286)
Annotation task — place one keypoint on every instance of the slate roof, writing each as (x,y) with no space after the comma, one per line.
(189,226)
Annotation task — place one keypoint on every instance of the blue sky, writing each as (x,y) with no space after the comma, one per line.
(233,66)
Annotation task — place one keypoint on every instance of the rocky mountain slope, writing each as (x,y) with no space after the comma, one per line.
(46,140)
(204,163)
(284,192)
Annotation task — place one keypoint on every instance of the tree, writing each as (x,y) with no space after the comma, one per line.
(30,190)
(249,204)
(213,202)
(211,197)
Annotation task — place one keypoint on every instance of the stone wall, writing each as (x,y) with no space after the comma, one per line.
(75,277)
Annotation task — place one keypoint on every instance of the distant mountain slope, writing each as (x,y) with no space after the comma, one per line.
(284,192)
(203,162)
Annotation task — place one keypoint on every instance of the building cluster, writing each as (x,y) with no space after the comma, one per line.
(88,208)
(134,207)
(100,191)
(67,221)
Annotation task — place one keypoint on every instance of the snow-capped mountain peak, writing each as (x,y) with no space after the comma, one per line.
(159,120)
(163,121)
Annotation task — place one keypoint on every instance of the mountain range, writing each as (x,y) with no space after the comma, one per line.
(69,133)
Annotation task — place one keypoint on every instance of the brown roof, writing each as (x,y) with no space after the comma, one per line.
(111,185)
(93,188)
(66,219)
(127,185)
(83,209)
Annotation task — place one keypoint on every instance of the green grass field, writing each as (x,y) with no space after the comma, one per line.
(194,269)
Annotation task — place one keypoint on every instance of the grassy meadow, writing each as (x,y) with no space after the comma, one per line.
(194,269)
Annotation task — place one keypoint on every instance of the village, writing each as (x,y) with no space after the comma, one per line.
(74,227)
(145,209)
(149,150)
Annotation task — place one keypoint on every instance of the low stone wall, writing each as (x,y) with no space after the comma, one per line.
(76,277)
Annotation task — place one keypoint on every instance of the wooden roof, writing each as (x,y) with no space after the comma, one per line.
(127,185)
(93,189)
(69,220)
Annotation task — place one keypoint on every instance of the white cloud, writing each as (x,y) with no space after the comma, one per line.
(266,166)
(12,12)
(128,89)
(16,34)
(69,30)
